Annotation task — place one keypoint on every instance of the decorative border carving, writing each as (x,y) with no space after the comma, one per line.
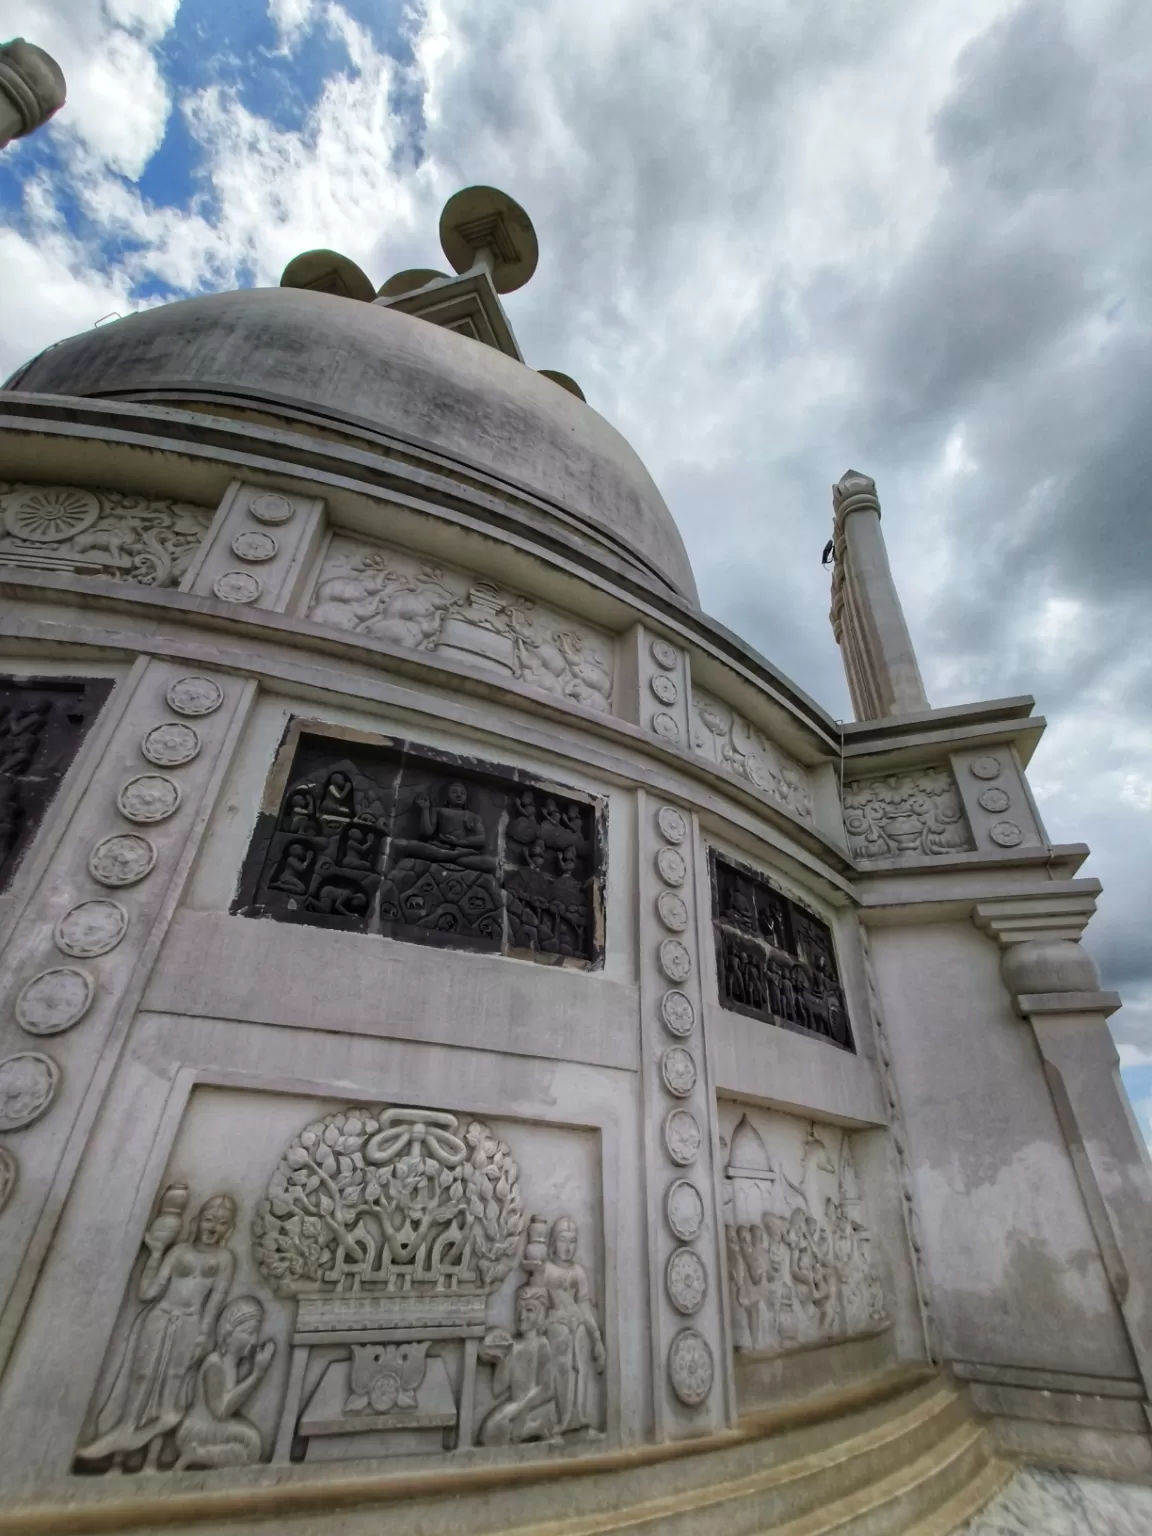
(906,816)
(720,733)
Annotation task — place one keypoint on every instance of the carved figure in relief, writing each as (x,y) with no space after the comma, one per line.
(798,1263)
(183,1286)
(738,746)
(412,613)
(904,816)
(450,833)
(572,1328)
(524,1378)
(213,1433)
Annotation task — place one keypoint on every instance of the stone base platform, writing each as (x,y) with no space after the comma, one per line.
(897,1454)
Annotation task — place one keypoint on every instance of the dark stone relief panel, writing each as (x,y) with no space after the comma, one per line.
(43,720)
(775,960)
(428,848)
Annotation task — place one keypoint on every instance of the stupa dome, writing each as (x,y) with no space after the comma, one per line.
(372,367)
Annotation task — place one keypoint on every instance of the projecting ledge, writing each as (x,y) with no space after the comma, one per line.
(1028,1003)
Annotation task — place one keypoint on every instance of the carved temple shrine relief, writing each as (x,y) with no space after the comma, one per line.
(420,605)
(911,815)
(429,849)
(43,721)
(395,1281)
(801,1270)
(99,533)
(775,960)
(721,734)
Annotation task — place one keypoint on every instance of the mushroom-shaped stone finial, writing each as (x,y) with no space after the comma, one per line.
(32,89)
(483,226)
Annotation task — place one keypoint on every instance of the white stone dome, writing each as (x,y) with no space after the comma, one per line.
(371,367)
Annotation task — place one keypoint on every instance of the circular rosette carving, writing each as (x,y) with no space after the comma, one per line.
(270,508)
(672,824)
(678,1013)
(690,1367)
(686,1281)
(391,1202)
(49,516)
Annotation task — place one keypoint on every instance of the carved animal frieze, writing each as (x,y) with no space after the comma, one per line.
(913,815)
(385,841)
(42,723)
(419,605)
(774,958)
(722,734)
(800,1265)
(99,533)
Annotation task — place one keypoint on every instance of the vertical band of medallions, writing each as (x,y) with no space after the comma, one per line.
(683,1255)
(113,862)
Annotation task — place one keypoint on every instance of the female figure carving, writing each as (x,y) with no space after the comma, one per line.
(213,1433)
(572,1329)
(184,1287)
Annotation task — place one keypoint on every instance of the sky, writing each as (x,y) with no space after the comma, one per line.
(778,240)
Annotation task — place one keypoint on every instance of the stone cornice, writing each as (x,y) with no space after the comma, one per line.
(1063,914)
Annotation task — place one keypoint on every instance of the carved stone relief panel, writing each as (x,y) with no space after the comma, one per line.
(775,960)
(43,720)
(721,734)
(801,1269)
(421,605)
(912,815)
(259,548)
(332,1281)
(429,848)
(99,533)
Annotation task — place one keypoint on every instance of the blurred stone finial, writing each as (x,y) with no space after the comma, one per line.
(32,89)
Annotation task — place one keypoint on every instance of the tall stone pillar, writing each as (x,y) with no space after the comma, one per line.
(32,89)
(867,620)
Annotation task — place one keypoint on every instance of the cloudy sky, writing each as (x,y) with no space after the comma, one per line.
(778,240)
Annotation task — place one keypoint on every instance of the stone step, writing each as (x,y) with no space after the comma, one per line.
(901,1503)
(967,1501)
(934,1431)
(883,1454)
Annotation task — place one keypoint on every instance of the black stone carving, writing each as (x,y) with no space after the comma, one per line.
(775,960)
(428,848)
(43,720)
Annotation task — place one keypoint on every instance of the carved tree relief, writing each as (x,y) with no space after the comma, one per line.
(914,815)
(420,605)
(800,1264)
(42,724)
(429,850)
(99,533)
(775,960)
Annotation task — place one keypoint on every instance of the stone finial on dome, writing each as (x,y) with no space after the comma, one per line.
(32,89)
(853,492)
(483,227)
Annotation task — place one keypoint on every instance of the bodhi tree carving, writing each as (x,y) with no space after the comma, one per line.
(397,1199)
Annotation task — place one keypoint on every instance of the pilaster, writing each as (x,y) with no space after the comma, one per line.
(260,548)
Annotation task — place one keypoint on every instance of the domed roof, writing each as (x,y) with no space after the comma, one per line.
(370,366)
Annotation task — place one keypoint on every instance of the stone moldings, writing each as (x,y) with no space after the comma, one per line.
(43,720)
(800,1266)
(727,738)
(432,850)
(912,815)
(419,605)
(774,959)
(99,533)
